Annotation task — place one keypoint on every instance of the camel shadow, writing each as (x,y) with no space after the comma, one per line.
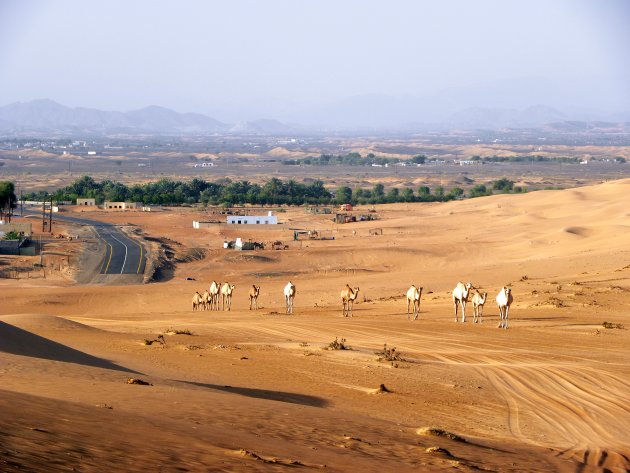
(17,341)
(280,396)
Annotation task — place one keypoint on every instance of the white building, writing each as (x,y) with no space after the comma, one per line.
(122,205)
(268,219)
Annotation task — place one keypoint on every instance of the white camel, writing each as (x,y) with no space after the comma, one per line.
(215,289)
(289,296)
(348,296)
(196,301)
(253,297)
(413,297)
(478,300)
(460,296)
(226,295)
(504,301)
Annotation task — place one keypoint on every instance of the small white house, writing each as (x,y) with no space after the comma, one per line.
(268,219)
(86,201)
(122,205)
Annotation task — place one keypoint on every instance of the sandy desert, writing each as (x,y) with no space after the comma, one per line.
(258,390)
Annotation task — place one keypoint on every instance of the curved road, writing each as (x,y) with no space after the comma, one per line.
(123,255)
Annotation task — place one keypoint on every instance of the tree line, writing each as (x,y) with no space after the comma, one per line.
(274,192)
(352,159)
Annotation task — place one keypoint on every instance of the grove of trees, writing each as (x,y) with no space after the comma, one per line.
(274,192)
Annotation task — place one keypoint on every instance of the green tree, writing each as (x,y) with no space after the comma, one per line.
(478,191)
(407,194)
(343,195)
(503,185)
(8,200)
(456,192)
(393,195)
(11,236)
(424,191)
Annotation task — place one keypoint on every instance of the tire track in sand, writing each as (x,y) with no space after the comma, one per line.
(581,411)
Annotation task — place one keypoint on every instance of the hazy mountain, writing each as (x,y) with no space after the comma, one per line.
(478,117)
(508,102)
(47,116)
(480,107)
(265,126)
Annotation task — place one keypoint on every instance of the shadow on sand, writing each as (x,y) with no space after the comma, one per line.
(17,341)
(281,396)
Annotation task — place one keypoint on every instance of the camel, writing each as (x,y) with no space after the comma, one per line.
(196,301)
(215,288)
(478,301)
(460,296)
(504,301)
(226,295)
(253,297)
(289,296)
(205,300)
(348,296)
(413,297)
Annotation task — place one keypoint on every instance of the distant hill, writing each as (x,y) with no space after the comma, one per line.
(262,126)
(478,117)
(50,116)
(451,109)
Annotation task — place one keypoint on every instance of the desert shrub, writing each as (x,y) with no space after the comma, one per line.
(612,325)
(338,345)
(432,431)
(174,331)
(389,354)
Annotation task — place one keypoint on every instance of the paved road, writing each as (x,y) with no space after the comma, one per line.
(123,255)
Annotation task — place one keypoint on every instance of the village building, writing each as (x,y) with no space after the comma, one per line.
(86,201)
(268,219)
(122,205)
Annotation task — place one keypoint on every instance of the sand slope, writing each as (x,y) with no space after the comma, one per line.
(258,391)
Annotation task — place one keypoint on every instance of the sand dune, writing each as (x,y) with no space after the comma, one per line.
(258,390)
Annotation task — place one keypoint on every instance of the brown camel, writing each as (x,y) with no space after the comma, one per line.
(478,300)
(253,297)
(348,296)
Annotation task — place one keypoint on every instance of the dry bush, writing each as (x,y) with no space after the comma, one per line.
(338,345)
(435,432)
(160,339)
(139,381)
(174,331)
(389,354)
(612,325)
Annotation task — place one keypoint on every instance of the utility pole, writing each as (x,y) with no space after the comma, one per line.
(43,216)
(21,204)
(50,217)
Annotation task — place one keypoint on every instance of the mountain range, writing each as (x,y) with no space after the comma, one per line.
(371,112)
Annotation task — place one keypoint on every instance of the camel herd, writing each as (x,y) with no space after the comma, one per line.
(219,297)
(462,292)
(212,298)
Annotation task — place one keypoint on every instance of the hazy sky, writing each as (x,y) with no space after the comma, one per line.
(207,56)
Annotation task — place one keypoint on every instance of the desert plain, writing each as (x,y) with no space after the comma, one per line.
(258,390)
